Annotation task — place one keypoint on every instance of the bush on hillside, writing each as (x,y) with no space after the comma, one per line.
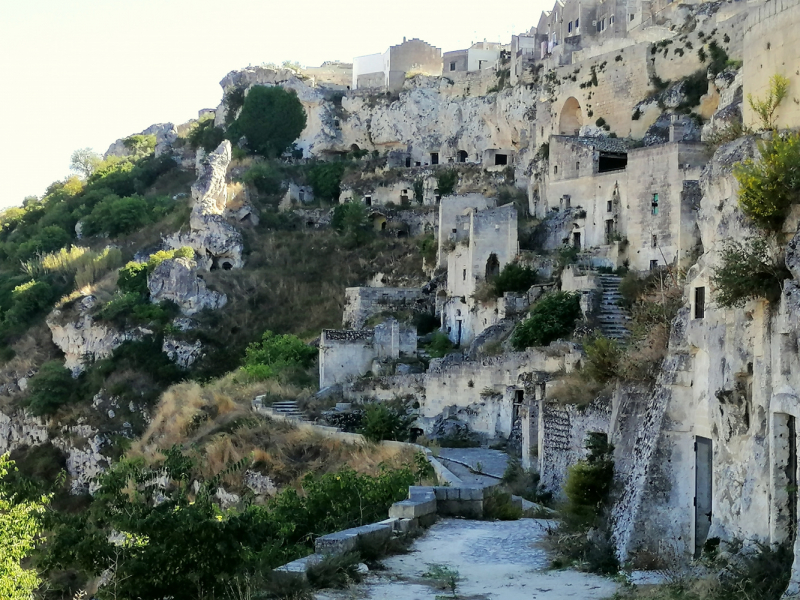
(51,388)
(49,239)
(352,221)
(602,358)
(551,318)
(271,119)
(446,181)
(440,345)
(748,271)
(140,145)
(381,422)
(275,354)
(326,179)
(205,135)
(264,177)
(769,186)
(29,300)
(514,278)
(133,276)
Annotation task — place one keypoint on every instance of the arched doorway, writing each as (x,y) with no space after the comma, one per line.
(571,119)
(492,267)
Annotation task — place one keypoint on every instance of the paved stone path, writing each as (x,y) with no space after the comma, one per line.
(464,462)
(496,560)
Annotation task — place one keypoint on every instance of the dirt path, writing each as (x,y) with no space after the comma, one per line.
(495,561)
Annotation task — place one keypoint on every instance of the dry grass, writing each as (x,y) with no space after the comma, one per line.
(32,349)
(215,423)
(575,388)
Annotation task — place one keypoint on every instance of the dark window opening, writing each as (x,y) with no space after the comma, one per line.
(653,265)
(608,206)
(434,158)
(336,123)
(519,397)
(577,166)
(452,66)
(577,24)
(464,275)
(612,161)
(555,169)
(383,226)
(418,164)
(654,241)
(309,223)
(609,230)
(402,234)
(500,159)
(492,267)
(462,156)
(408,161)
(569,27)
(576,240)
(368,200)
(226,265)
(567,201)
(699,302)
(655,204)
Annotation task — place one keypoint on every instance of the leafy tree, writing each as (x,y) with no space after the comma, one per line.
(589,481)
(52,387)
(514,278)
(384,423)
(446,181)
(748,271)
(271,119)
(765,109)
(768,187)
(551,318)
(116,216)
(20,529)
(84,162)
(326,179)
(132,278)
(352,220)
(28,300)
(276,353)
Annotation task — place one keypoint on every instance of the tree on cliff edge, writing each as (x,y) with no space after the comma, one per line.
(271,119)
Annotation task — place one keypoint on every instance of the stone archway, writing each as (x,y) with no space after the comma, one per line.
(571,119)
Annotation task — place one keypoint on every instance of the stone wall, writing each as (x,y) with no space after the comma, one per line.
(772,46)
(360,303)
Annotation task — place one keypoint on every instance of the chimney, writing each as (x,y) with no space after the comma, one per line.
(404,39)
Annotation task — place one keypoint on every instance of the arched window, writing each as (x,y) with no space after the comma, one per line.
(492,267)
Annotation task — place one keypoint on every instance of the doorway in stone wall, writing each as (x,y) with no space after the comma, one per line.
(492,267)
(458,332)
(519,397)
(703,483)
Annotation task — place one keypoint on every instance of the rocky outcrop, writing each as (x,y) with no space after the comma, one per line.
(176,280)
(166,134)
(182,353)
(82,339)
(217,243)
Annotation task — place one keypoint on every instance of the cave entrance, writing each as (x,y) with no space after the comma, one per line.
(462,156)
(703,484)
(612,161)
(500,159)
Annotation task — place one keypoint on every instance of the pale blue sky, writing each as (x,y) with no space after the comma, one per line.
(78,73)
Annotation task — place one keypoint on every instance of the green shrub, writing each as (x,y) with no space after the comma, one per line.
(132,278)
(514,278)
(765,109)
(600,122)
(271,119)
(551,318)
(440,345)
(116,216)
(352,220)
(205,135)
(264,177)
(29,300)
(384,423)
(52,387)
(446,181)
(140,145)
(498,506)
(326,179)
(566,255)
(602,358)
(277,353)
(768,187)
(748,271)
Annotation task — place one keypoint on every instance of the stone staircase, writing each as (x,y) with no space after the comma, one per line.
(288,408)
(612,317)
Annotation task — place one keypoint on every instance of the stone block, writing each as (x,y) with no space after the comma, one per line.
(411,509)
(427,520)
(472,493)
(347,540)
(440,493)
(421,493)
(454,493)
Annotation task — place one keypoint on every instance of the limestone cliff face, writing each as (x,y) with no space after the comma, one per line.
(166,134)
(82,339)
(177,280)
(216,242)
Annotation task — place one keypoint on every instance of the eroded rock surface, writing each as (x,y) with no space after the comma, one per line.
(176,279)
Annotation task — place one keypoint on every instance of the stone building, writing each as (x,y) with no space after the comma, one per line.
(388,70)
(349,354)
(635,206)
(479,56)
(361,303)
